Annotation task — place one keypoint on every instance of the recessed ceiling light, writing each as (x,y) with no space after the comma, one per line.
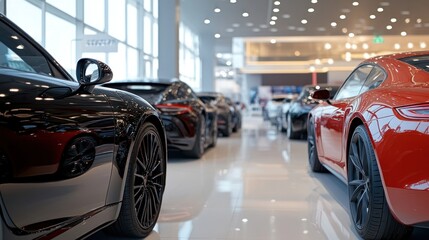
(273,29)
(372,16)
(276,10)
(291,28)
(351,35)
(263,26)
(407,20)
(380,9)
(419,20)
(345,10)
(272,22)
(343,16)
(217,35)
(403,33)
(344,30)
(256,29)
(348,45)
(230,30)
(365,46)
(313,1)
(304,21)
(273,41)
(286,16)
(389,27)
(355,4)
(397,46)
(333,24)
(236,25)
(297,53)
(232,1)
(300,29)
(274,18)
(249,24)
(321,29)
(410,45)
(328,46)
(405,12)
(277,3)
(217,10)
(310,10)
(422,45)
(384,4)
(206,21)
(331,61)
(393,20)
(245,14)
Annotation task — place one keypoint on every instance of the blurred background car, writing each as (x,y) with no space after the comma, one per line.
(236,114)
(299,109)
(283,111)
(184,115)
(225,120)
(72,154)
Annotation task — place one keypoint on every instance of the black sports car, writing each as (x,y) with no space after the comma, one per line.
(212,118)
(183,113)
(225,121)
(236,115)
(74,157)
(299,109)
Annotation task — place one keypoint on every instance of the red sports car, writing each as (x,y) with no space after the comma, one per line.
(374,135)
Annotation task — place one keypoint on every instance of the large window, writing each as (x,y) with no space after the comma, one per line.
(64,27)
(189,58)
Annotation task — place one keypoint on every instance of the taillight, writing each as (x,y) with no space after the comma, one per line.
(415,112)
(173,109)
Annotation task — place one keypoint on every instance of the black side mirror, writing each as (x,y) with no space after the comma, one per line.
(321,94)
(91,72)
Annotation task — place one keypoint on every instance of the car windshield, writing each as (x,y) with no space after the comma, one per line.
(421,62)
(150,92)
(208,99)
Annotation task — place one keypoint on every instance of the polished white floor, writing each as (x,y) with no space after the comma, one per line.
(254,185)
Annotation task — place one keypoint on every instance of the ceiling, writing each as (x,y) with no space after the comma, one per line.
(311,30)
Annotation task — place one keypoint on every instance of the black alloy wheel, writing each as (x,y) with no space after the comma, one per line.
(313,158)
(200,140)
(144,187)
(369,209)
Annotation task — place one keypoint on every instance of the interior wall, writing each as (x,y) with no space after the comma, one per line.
(338,76)
(296,79)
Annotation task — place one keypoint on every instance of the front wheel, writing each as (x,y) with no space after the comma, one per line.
(144,187)
(369,209)
(313,158)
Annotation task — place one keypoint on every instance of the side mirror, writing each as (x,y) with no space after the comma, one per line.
(91,72)
(321,94)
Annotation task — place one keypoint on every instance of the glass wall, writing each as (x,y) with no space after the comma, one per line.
(189,58)
(73,29)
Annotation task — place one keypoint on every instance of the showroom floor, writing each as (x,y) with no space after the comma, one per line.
(254,185)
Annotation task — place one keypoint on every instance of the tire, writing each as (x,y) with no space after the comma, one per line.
(369,209)
(313,158)
(214,137)
(228,127)
(144,187)
(197,150)
(291,134)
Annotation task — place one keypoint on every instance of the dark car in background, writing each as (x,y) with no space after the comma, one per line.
(225,121)
(73,155)
(184,115)
(299,109)
(236,115)
(212,116)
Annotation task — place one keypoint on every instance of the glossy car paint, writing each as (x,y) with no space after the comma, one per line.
(180,109)
(211,122)
(225,122)
(39,119)
(399,141)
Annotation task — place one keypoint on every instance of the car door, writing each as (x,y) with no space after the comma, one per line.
(333,115)
(44,126)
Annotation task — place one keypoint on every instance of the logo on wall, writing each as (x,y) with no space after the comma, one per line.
(99,43)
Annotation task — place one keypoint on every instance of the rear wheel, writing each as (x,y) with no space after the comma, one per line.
(228,126)
(313,158)
(369,210)
(200,140)
(144,185)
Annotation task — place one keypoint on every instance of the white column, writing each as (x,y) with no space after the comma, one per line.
(168,39)
(207,56)
(3,6)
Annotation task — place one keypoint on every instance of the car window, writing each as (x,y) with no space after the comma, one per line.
(17,53)
(354,82)
(375,78)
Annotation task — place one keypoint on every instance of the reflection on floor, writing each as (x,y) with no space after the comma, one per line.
(253,185)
